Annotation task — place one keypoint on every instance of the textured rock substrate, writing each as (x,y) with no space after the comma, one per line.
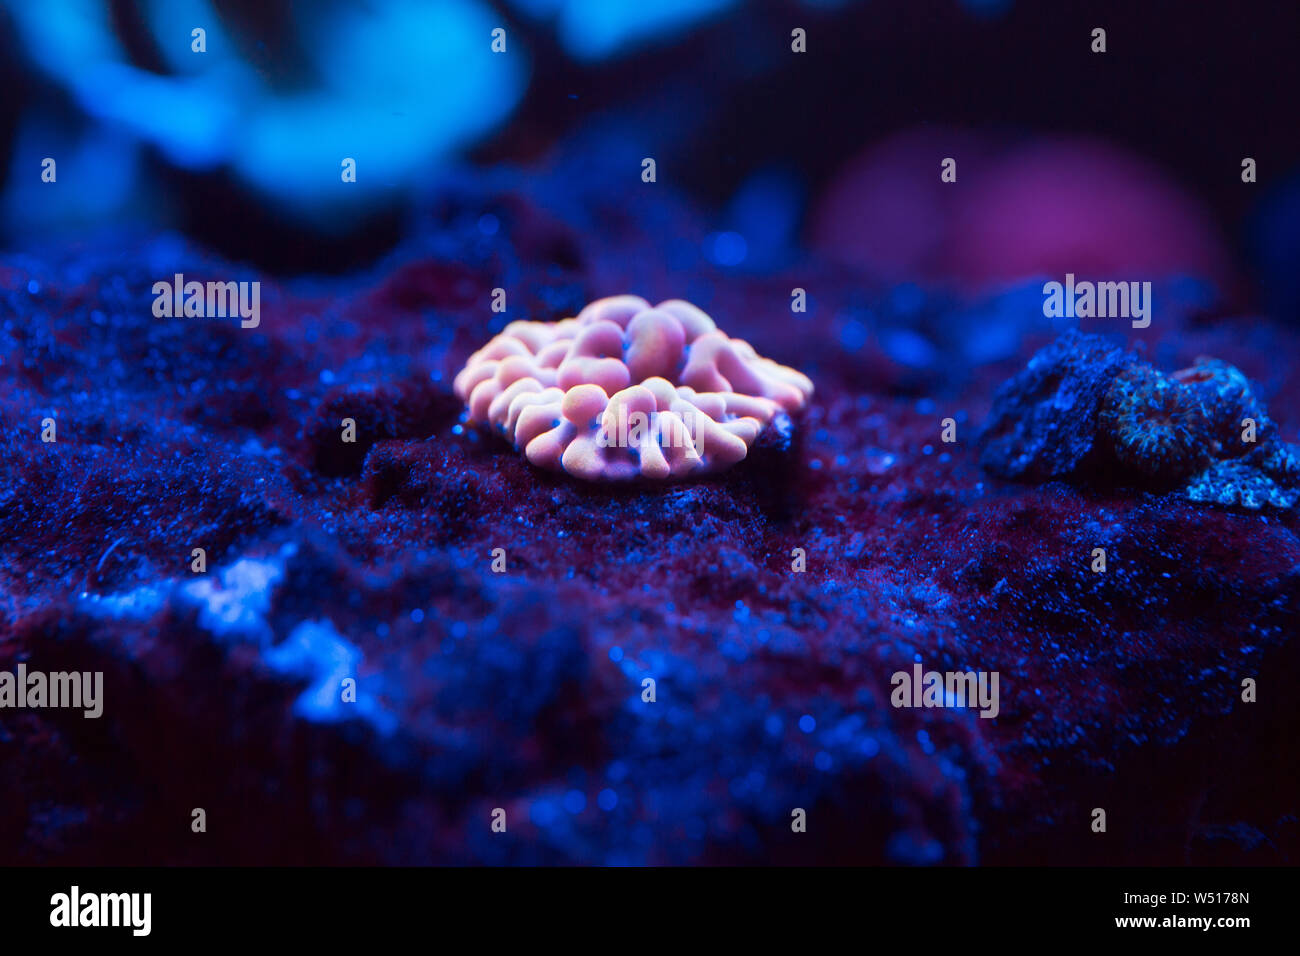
(522,690)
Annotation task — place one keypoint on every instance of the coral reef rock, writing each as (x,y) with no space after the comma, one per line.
(1044,420)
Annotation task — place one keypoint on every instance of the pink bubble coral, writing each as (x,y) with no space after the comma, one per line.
(627,391)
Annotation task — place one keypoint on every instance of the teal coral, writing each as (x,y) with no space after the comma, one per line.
(1156,427)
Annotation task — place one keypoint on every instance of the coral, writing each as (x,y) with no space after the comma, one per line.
(625,390)
(1227,399)
(389,48)
(1279,460)
(1036,211)
(1192,423)
(1268,476)
(1044,420)
(1155,427)
(1183,430)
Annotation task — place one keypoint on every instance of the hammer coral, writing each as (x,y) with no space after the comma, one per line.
(626,390)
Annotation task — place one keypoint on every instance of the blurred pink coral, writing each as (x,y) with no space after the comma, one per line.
(626,390)
(1022,210)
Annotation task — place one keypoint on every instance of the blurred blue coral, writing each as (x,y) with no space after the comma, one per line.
(599,29)
(393,84)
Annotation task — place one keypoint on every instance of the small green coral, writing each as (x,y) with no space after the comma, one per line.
(1202,428)
(1156,427)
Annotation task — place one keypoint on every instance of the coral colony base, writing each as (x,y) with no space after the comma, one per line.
(628,391)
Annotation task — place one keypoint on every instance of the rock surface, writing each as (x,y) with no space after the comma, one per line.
(523,690)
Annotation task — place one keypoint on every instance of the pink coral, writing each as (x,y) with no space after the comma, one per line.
(626,390)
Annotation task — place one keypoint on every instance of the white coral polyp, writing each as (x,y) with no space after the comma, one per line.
(628,391)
